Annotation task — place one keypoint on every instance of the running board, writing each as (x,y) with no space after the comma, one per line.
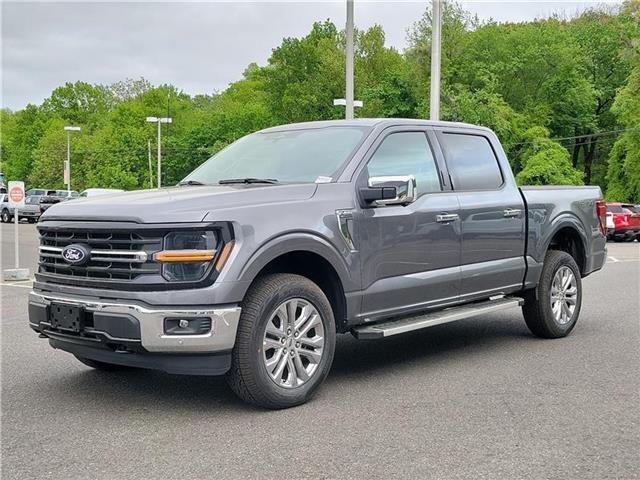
(394,327)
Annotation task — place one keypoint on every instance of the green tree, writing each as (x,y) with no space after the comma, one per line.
(546,162)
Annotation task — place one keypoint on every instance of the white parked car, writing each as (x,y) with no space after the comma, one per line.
(94,192)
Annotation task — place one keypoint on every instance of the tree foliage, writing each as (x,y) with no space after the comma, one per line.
(574,80)
(546,162)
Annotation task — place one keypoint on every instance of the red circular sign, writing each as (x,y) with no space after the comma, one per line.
(16,194)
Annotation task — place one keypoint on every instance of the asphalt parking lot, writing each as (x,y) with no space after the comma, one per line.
(480,398)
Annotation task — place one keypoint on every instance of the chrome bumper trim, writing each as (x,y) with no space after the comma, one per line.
(221,338)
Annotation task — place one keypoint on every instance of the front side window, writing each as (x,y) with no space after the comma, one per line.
(406,153)
(471,162)
(289,156)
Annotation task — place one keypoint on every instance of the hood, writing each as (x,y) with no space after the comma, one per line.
(175,204)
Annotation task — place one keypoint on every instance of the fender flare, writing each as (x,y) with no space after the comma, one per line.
(296,242)
(565,220)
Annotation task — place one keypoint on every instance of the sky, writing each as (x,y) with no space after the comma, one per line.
(200,47)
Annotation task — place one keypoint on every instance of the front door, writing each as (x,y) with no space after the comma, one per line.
(410,256)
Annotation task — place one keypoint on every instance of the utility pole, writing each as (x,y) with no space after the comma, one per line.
(150,167)
(159,180)
(67,166)
(349,62)
(159,121)
(436,42)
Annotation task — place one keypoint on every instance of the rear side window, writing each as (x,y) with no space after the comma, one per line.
(406,153)
(471,161)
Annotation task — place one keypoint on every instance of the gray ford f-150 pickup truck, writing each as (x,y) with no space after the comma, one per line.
(256,260)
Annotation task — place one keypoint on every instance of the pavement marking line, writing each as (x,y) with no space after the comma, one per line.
(613,259)
(17,284)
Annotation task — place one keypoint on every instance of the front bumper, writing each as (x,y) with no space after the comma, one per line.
(135,329)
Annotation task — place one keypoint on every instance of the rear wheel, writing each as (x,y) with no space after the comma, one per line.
(5,216)
(107,367)
(285,342)
(552,309)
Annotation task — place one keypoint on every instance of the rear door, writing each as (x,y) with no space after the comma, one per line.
(410,257)
(492,214)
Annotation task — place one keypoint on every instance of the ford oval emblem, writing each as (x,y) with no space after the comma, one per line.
(76,254)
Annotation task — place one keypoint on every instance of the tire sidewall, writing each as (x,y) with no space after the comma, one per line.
(283,395)
(544,294)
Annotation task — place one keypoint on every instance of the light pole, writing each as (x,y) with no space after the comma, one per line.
(67,165)
(159,121)
(436,27)
(349,63)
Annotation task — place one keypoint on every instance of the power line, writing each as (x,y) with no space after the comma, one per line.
(590,135)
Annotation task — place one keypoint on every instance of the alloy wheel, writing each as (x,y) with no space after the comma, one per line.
(293,343)
(564,295)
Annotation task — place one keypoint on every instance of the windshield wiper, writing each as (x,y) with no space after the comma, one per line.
(191,182)
(248,180)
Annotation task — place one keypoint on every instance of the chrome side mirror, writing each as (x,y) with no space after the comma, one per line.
(405,188)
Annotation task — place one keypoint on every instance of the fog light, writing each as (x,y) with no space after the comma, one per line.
(187,326)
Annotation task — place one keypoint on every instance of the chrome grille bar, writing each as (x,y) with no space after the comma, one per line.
(126,256)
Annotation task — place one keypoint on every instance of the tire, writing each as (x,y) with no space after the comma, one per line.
(249,376)
(32,220)
(106,367)
(537,310)
(5,216)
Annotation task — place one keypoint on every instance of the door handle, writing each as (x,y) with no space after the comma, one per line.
(447,217)
(512,212)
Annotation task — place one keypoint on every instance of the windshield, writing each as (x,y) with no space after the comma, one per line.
(289,156)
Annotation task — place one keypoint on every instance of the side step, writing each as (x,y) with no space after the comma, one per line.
(394,327)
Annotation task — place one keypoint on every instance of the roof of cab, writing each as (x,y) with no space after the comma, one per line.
(370,122)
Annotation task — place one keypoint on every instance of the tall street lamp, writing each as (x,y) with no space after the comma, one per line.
(436,40)
(349,63)
(67,164)
(159,121)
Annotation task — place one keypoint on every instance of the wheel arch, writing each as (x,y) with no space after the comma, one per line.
(568,234)
(310,256)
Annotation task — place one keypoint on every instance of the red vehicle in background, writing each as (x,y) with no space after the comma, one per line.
(626,220)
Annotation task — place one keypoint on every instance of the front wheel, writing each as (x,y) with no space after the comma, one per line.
(5,216)
(552,309)
(285,342)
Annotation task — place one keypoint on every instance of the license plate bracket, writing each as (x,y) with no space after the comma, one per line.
(64,316)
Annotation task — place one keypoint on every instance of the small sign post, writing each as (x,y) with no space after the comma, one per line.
(16,201)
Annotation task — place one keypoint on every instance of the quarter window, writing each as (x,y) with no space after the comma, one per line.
(406,153)
(471,162)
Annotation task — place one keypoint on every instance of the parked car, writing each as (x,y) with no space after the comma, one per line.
(626,219)
(252,264)
(39,191)
(30,211)
(95,192)
(56,196)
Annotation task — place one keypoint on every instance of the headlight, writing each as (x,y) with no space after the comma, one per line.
(187,255)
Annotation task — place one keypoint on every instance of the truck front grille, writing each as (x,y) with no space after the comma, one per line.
(121,256)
